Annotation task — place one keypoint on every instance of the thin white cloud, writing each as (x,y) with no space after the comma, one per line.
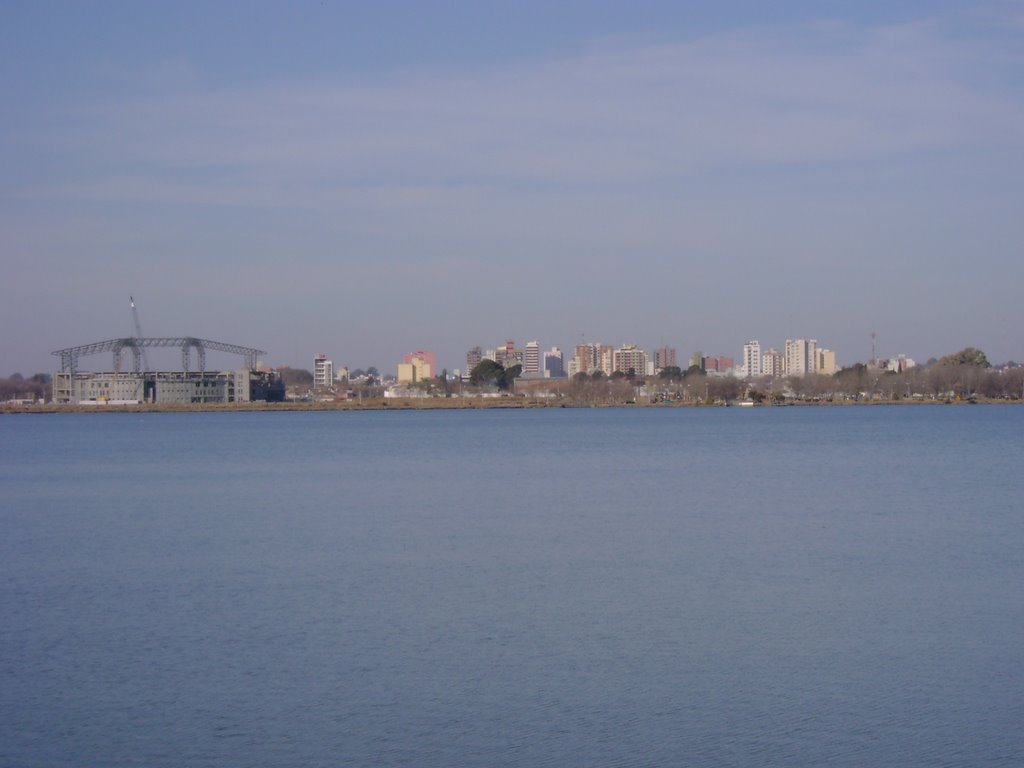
(800,96)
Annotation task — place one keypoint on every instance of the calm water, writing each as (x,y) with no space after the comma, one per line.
(727,587)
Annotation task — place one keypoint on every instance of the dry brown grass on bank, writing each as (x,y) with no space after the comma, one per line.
(439,403)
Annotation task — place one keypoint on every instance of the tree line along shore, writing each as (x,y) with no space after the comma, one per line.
(965,377)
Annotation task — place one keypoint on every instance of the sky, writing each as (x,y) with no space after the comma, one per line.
(367,179)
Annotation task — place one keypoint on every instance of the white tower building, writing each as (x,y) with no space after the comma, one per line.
(752,359)
(531,359)
(323,372)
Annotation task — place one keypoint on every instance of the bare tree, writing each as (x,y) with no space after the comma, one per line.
(724,387)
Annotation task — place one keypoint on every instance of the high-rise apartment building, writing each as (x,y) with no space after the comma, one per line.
(508,355)
(473,358)
(752,359)
(585,360)
(424,358)
(323,372)
(664,357)
(630,359)
(590,358)
(553,364)
(801,357)
(416,366)
(531,359)
(772,363)
(827,362)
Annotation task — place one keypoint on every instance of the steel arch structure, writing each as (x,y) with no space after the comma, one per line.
(69,357)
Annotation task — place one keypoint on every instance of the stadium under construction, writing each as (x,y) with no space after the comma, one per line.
(140,385)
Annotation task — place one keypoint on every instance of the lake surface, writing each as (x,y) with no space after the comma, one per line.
(689,587)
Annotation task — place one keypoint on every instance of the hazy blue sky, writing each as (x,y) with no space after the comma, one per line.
(366,179)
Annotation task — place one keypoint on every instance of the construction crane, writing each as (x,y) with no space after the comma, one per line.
(138,333)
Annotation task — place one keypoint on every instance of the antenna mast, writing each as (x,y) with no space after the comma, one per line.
(138,334)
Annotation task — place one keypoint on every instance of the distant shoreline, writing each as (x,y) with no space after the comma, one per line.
(445,404)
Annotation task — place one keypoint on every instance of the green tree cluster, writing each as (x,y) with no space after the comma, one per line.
(491,373)
(670,373)
(966,356)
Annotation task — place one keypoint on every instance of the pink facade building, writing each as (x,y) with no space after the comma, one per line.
(719,364)
(664,357)
(424,357)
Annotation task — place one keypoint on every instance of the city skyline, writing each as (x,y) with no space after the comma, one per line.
(365,182)
(798,356)
(521,354)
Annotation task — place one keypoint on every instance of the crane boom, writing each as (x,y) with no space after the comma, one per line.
(138,332)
